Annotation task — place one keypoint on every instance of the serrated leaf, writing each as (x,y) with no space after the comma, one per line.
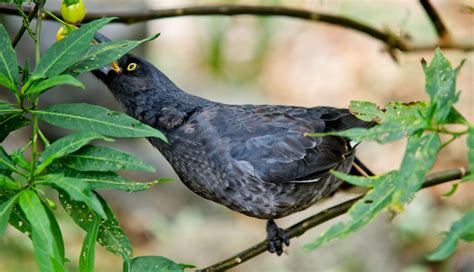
(44,85)
(153,263)
(420,155)
(104,53)
(460,229)
(77,189)
(64,53)
(65,146)
(46,250)
(87,117)
(8,62)
(441,86)
(103,159)
(106,180)
(110,236)
(5,211)
(397,121)
(86,260)
(362,212)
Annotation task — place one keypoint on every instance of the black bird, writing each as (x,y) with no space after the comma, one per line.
(253,159)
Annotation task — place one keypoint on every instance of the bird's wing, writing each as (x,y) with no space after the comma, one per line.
(270,141)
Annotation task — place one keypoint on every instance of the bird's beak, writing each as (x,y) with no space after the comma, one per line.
(112,67)
(116,67)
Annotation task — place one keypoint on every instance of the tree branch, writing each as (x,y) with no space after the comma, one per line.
(387,37)
(438,23)
(301,227)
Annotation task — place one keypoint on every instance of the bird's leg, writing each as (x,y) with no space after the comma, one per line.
(276,237)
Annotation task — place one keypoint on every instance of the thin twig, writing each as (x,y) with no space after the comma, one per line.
(24,26)
(389,38)
(301,227)
(438,23)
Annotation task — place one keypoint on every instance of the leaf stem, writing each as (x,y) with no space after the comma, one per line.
(34,133)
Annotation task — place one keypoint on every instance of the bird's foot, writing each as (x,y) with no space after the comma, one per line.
(276,237)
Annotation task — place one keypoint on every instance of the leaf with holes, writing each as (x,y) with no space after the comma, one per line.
(362,212)
(77,189)
(110,236)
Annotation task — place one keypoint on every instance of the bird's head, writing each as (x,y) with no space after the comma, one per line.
(129,75)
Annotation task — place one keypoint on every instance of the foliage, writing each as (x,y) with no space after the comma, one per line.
(71,165)
(421,123)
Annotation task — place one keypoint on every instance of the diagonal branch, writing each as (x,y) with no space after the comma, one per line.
(441,29)
(24,26)
(301,227)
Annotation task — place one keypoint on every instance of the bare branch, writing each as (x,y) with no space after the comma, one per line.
(438,23)
(301,227)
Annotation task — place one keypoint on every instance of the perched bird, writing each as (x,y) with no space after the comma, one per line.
(253,159)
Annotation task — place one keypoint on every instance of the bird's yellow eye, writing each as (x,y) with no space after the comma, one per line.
(132,66)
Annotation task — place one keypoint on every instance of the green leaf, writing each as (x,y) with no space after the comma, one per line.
(17,217)
(86,260)
(420,155)
(104,53)
(5,211)
(11,123)
(366,111)
(398,121)
(8,183)
(104,159)
(153,263)
(8,109)
(44,85)
(46,250)
(441,86)
(87,117)
(65,146)
(8,62)
(108,180)
(110,236)
(356,180)
(461,229)
(470,152)
(19,159)
(57,234)
(77,189)
(5,161)
(362,212)
(64,53)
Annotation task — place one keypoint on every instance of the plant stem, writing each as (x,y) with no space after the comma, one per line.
(34,133)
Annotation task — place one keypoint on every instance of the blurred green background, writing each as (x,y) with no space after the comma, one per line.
(271,60)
